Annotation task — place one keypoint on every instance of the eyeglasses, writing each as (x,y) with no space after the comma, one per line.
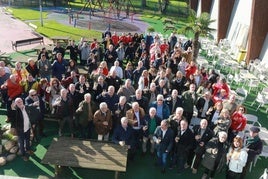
(34,95)
(241,109)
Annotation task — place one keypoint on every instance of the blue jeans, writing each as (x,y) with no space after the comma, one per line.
(24,141)
(162,158)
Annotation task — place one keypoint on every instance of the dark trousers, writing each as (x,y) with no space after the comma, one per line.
(197,160)
(232,175)
(70,122)
(24,141)
(188,116)
(83,131)
(245,169)
(212,173)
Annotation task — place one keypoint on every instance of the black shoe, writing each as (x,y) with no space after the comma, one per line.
(163,170)
(143,154)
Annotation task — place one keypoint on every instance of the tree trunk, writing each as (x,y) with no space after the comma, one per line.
(143,4)
(163,4)
(196,46)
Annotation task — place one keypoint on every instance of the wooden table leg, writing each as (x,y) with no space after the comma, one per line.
(116,175)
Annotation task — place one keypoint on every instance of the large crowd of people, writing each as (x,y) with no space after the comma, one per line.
(139,91)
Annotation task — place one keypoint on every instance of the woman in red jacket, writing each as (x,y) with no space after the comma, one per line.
(14,90)
(239,122)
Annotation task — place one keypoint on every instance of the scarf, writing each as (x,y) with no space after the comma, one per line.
(252,140)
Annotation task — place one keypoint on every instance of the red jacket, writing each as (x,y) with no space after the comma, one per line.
(115,39)
(13,89)
(190,70)
(238,121)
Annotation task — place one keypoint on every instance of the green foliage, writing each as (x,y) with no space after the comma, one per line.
(27,14)
(52,28)
(198,24)
(150,29)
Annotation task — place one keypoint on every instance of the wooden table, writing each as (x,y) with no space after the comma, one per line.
(49,48)
(65,151)
(23,58)
(4,56)
(60,39)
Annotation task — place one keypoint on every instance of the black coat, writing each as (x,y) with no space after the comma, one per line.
(19,124)
(200,105)
(219,158)
(166,142)
(185,143)
(207,135)
(170,104)
(255,148)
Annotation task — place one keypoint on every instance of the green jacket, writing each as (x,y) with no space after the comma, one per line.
(82,113)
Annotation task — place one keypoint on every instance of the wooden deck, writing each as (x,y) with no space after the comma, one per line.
(65,151)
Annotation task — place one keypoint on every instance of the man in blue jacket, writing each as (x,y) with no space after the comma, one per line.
(124,136)
(162,109)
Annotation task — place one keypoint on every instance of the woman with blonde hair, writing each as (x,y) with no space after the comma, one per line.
(104,66)
(144,81)
(236,158)
(223,122)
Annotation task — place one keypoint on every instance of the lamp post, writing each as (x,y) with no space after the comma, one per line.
(41,13)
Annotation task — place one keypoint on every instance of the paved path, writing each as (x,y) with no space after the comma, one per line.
(12,29)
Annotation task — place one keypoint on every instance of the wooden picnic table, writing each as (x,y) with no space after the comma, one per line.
(60,39)
(70,152)
(49,48)
(4,56)
(23,58)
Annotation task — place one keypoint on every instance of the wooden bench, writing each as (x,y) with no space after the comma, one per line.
(27,42)
(68,152)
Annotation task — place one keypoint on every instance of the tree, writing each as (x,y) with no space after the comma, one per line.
(200,27)
(143,3)
(163,5)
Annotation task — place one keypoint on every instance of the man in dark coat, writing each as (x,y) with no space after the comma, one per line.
(203,104)
(215,155)
(202,134)
(254,147)
(124,136)
(23,127)
(183,144)
(37,113)
(173,101)
(65,111)
(163,137)
(143,101)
